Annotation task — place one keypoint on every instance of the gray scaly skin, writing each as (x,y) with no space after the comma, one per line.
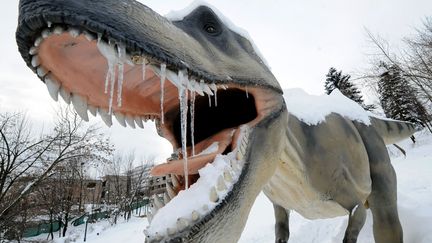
(338,167)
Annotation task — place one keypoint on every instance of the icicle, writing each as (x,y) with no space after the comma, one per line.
(209,98)
(247,93)
(111,97)
(192,121)
(183,115)
(215,95)
(162,84)
(121,51)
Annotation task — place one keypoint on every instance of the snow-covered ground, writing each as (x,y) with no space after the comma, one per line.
(414,199)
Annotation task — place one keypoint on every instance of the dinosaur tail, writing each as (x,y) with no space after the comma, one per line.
(393,131)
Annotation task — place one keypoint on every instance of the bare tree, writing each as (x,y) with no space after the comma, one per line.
(26,160)
(125,183)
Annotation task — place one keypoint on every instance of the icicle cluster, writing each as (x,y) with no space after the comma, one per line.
(116,59)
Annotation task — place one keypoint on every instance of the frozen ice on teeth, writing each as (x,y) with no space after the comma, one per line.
(38,41)
(80,106)
(65,95)
(35,61)
(106,118)
(182,224)
(74,32)
(130,121)
(92,109)
(58,30)
(221,184)
(33,50)
(205,88)
(139,121)
(228,176)
(53,88)
(213,195)
(120,118)
(195,215)
(46,33)
(41,71)
(89,36)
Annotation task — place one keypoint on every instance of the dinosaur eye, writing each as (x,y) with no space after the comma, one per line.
(211,29)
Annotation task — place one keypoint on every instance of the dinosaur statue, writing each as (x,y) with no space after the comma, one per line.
(121,59)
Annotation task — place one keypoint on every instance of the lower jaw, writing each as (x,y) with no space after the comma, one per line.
(173,214)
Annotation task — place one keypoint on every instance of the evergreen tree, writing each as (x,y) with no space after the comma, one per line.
(398,99)
(335,80)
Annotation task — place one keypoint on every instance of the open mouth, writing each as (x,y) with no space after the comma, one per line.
(207,122)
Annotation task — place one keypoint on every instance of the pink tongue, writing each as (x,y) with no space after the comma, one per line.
(224,138)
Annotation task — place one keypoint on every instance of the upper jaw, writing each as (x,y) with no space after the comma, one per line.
(142,31)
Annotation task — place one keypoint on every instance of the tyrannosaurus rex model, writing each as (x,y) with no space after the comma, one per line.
(112,58)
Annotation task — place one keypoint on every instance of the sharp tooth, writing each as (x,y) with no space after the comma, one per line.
(195,215)
(130,121)
(166,198)
(65,95)
(171,231)
(170,190)
(120,118)
(228,176)
(221,184)
(205,208)
(197,88)
(239,155)
(46,33)
(213,195)
(58,30)
(190,85)
(89,36)
(74,32)
(242,148)
(158,203)
(41,71)
(33,50)
(38,41)
(35,61)
(80,106)
(182,224)
(106,118)
(205,88)
(213,87)
(175,181)
(235,165)
(92,109)
(53,88)
(138,121)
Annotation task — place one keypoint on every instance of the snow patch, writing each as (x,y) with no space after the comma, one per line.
(313,109)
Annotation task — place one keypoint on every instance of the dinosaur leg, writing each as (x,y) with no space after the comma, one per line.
(382,200)
(281,226)
(356,221)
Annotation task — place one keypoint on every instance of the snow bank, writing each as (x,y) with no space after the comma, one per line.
(313,109)
(414,201)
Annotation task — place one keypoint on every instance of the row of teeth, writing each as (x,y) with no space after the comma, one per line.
(80,103)
(216,194)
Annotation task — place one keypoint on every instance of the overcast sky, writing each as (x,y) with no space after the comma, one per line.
(299,39)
